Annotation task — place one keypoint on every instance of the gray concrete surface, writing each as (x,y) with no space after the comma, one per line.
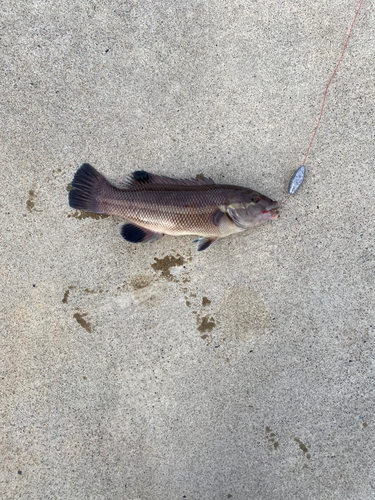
(154,372)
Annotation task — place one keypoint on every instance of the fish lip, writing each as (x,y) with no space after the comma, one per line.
(271,210)
(274,214)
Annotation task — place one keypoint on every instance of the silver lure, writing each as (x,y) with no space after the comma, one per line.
(297,179)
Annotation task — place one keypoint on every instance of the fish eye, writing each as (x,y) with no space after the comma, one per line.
(255,198)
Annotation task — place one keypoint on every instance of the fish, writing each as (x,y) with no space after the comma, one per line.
(154,205)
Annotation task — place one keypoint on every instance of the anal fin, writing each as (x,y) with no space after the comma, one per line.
(136,234)
(203,243)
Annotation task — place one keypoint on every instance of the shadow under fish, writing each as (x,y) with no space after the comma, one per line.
(154,205)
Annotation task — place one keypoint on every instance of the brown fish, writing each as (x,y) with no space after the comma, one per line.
(154,205)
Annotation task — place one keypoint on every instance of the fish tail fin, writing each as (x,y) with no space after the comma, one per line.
(88,186)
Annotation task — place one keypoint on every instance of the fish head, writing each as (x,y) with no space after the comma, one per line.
(250,208)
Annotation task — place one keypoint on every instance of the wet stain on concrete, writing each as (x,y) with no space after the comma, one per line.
(206,324)
(199,176)
(205,302)
(80,319)
(271,438)
(85,215)
(242,314)
(140,281)
(69,187)
(303,447)
(165,265)
(147,292)
(30,203)
(66,295)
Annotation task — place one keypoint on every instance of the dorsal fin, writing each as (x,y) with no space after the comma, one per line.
(141,179)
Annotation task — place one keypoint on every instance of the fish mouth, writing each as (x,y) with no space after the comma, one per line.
(271,213)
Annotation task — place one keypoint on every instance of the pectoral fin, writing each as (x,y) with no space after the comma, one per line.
(204,243)
(137,234)
(216,218)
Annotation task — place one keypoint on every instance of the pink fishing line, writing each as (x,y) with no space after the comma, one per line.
(325,92)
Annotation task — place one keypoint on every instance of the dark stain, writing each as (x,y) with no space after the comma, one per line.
(188,303)
(87,290)
(229,496)
(69,187)
(30,204)
(85,324)
(84,215)
(207,324)
(364,424)
(271,437)
(84,378)
(204,337)
(66,294)
(140,281)
(302,447)
(164,265)
(205,302)
(199,176)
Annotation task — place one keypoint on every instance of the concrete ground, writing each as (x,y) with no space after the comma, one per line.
(148,372)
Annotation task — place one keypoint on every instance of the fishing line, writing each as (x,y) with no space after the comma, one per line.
(298,176)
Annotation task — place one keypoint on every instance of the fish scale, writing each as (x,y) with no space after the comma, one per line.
(169,210)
